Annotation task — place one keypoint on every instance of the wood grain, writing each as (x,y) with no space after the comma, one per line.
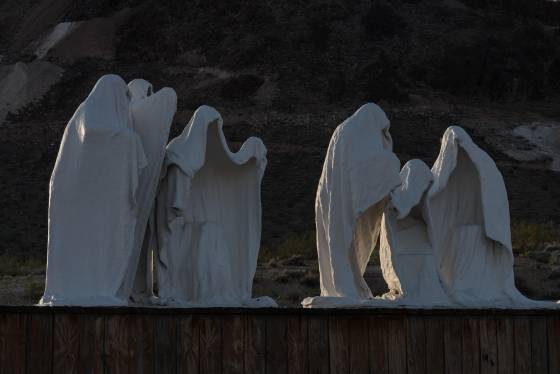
(522,345)
(188,349)
(66,343)
(470,336)
(165,344)
(276,345)
(539,345)
(39,343)
(359,344)
(233,344)
(435,350)
(488,346)
(210,345)
(396,344)
(416,345)
(141,344)
(378,355)
(255,345)
(318,348)
(338,345)
(117,354)
(297,345)
(452,338)
(553,327)
(92,342)
(504,336)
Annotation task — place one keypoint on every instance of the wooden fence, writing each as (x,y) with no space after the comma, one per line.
(142,340)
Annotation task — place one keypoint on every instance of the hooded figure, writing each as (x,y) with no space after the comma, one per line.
(93,201)
(359,172)
(467,212)
(151,117)
(407,257)
(209,217)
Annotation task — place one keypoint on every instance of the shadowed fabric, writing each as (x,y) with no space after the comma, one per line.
(151,117)
(359,172)
(209,217)
(93,201)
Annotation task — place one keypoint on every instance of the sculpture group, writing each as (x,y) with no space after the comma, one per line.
(128,211)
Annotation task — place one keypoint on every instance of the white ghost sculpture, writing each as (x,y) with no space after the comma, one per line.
(407,258)
(209,217)
(467,212)
(93,201)
(151,117)
(359,172)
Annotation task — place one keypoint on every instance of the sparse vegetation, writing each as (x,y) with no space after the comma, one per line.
(527,237)
(14,266)
(302,244)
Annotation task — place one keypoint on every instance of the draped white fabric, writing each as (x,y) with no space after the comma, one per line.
(209,217)
(151,117)
(93,201)
(406,254)
(359,172)
(468,219)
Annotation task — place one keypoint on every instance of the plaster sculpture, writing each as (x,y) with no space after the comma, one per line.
(467,212)
(209,217)
(151,115)
(407,258)
(93,201)
(359,172)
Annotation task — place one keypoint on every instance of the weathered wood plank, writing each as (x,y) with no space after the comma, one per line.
(553,327)
(471,345)
(210,344)
(522,345)
(488,346)
(39,343)
(396,344)
(359,344)
(165,344)
(504,336)
(318,335)
(276,345)
(92,341)
(141,344)
(255,345)
(188,338)
(453,345)
(415,345)
(379,361)
(297,345)
(12,343)
(233,344)
(539,345)
(66,344)
(117,354)
(338,345)
(435,351)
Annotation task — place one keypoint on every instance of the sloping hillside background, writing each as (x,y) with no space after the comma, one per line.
(289,72)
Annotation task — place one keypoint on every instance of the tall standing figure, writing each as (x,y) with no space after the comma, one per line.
(93,201)
(359,172)
(209,217)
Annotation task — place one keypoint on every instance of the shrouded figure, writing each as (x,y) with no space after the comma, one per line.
(468,219)
(151,117)
(407,258)
(359,172)
(209,217)
(93,201)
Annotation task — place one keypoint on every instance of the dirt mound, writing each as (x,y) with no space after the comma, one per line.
(22,84)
